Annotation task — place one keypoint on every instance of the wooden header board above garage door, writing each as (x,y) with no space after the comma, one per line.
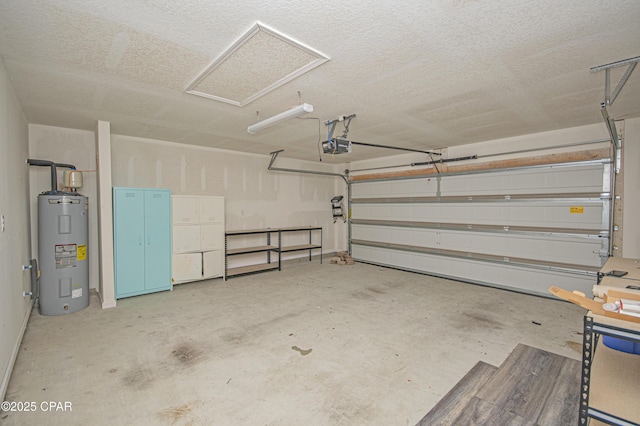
(522,229)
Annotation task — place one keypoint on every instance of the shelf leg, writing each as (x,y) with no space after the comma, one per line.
(268,243)
(226,264)
(585,377)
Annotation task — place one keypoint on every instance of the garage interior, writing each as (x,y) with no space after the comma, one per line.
(466,155)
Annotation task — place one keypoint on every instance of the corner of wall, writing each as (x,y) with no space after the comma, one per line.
(15,246)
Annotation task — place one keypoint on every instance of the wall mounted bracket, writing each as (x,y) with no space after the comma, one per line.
(609,97)
(613,132)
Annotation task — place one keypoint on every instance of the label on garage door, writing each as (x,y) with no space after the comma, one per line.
(576,210)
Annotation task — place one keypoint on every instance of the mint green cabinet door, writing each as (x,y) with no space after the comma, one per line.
(128,229)
(157,225)
(142,240)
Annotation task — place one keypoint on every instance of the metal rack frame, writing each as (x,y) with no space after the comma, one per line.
(268,248)
(592,331)
(310,246)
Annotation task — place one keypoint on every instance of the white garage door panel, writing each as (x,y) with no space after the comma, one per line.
(422,187)
(556,179)
(530,181)
(545,214)
(409,236)
(534,281)
(560,249)
(576,251)
(517,228)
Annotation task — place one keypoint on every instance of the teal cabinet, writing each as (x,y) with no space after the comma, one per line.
(142,240)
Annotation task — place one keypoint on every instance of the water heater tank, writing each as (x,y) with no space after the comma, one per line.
(62,248)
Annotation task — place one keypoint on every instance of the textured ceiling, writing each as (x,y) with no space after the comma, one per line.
(418,74)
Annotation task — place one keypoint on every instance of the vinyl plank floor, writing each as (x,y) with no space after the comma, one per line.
(482,413)
(535,384)
(531,387)
(562,405)
(454,402)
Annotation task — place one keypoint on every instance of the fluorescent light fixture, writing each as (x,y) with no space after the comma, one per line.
(296,111)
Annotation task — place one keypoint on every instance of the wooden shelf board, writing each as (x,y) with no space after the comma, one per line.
(301,228)
(299,247)
(632,266)
(255,249)
(615,382)
(251,231)
(251,268)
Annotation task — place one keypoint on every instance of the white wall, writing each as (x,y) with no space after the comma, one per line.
(68,146)
(254,196)
(631,195)
(14,240)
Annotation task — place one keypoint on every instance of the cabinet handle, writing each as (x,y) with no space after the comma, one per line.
(140,240)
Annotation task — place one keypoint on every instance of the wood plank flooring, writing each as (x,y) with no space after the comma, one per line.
(449,407)
(532,387)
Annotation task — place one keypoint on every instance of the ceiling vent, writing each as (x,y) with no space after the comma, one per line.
(257,63)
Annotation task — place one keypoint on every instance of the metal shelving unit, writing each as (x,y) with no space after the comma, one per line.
(269,264)
(310,246)
(267,248)
(611,378)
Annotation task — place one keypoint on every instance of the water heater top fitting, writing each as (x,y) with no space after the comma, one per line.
(72,179)
(54,176)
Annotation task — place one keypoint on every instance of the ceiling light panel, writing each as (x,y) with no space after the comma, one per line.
(257,63)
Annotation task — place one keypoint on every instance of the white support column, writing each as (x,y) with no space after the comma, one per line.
(105,215)
(631,189)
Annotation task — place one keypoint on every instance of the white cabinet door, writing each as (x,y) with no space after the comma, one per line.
(186,238)
(213,263)
(212,236)
(212,209)
(187,267)
(185,210)
(198,237)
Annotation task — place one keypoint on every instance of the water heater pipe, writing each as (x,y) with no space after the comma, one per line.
(47,163)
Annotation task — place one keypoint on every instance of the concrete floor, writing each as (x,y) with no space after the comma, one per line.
(313,344)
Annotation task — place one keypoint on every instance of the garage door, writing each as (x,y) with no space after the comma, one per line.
(523,229)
